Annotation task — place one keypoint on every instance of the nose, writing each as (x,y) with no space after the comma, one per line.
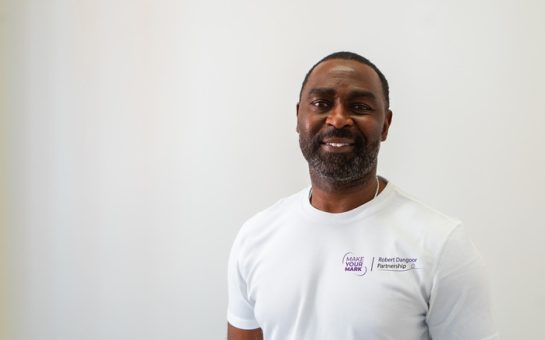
(339,117)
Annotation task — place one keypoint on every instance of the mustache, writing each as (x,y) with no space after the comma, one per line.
(359,139)
(339,133)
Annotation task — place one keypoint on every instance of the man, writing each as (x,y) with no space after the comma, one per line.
(352,257)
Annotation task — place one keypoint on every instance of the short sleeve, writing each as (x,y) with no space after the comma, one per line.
(240,310)
(460,306)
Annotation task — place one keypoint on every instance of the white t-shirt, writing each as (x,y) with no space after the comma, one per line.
(392,269)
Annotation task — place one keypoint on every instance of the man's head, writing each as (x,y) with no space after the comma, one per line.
(342,116)
(344,55)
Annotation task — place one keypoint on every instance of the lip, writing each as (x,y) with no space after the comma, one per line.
(337,145)
(338,142)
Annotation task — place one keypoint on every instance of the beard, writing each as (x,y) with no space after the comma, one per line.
(342,168)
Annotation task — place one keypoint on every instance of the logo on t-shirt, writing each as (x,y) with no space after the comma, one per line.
(354,264)
(396,263)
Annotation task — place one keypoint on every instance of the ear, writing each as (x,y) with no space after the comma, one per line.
(297,115)
(386,125)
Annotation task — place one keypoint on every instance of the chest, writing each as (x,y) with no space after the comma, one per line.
(353,284)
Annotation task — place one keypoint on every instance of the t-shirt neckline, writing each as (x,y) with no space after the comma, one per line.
(363,210)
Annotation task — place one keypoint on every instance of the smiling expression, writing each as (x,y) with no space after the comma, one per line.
(342,117)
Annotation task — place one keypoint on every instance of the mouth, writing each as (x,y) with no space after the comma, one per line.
(338,144)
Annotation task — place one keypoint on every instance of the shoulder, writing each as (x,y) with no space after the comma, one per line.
(415,223)
(419,216)
(267,220)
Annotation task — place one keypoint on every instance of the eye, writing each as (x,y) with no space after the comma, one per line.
(361,108)
(321,104)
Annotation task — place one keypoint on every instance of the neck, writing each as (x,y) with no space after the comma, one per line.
(340,197)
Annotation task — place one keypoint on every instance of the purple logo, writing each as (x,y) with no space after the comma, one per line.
(354,264)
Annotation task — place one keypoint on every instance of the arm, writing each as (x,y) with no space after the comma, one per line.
(234,333)
(241,322)
(460,306)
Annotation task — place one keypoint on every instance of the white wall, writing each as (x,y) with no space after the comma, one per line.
(140,135)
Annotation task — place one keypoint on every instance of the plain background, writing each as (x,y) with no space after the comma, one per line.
(137,136)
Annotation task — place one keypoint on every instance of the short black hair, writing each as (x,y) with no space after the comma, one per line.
(344,55)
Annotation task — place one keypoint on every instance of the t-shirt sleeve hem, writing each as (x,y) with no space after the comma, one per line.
(241,323)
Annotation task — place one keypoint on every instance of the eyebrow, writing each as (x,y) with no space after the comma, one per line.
(329,92)
(319,92)
(362,93)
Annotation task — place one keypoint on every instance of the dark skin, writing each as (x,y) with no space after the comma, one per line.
(234,333)
(343,94)
(340,94)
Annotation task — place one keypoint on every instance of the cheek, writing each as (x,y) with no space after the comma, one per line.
(309,126)
(370,126)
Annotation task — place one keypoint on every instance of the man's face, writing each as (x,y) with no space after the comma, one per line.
(341,119)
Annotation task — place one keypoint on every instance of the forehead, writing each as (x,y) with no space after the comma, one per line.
(344,75)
